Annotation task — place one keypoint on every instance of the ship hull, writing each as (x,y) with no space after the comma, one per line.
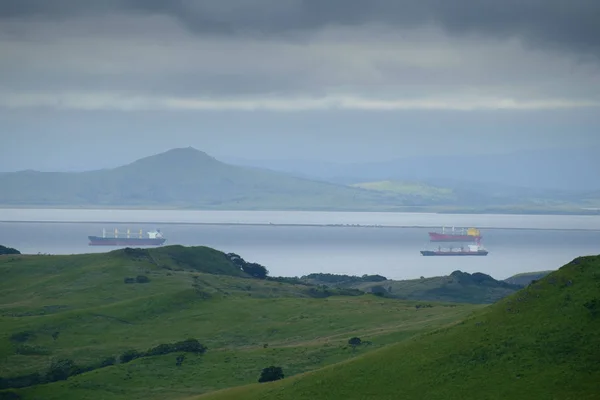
(107,241)
(454,253)
(441,237)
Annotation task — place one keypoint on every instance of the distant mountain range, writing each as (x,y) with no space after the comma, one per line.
(189,178)
(574,170)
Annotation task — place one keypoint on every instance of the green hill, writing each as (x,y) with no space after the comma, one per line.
(79,315)
(418,191)
(526,278)
(183,177)
(539,343)
(460,287)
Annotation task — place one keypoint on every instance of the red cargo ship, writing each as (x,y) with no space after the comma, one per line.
(456,235)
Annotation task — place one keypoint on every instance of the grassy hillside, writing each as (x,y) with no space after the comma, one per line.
(480,197)
(183,178)
(417,191)
(526,278)
(460,287)
(80,308)
(540,343)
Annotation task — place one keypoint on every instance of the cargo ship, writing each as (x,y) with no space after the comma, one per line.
(456,235)
(153,238)
(470,250)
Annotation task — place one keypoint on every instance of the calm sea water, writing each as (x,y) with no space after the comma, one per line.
(516,243)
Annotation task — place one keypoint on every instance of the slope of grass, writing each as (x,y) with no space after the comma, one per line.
(460,287)
(525,278)
(540,343)
(416,189)
(78,307)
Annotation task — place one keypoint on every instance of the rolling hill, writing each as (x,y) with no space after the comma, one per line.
(539,343)
(114,325)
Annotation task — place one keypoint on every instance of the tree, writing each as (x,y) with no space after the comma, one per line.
(190,346)
(270,374)
(255,270)
(355,341)
(8,250)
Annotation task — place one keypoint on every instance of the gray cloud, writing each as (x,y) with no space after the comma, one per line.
(295,55)
(573,25)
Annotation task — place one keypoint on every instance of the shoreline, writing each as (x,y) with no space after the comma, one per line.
(433,210)
(293,225)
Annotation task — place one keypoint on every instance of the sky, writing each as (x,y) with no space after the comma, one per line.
(87,85)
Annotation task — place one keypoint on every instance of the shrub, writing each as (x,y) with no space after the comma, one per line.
(107,362)
(60,370)
(270,374)
(190,346)
(179,360)
(161,349)
(129,355)
(22,337)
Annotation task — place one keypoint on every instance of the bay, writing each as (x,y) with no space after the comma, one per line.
(526,243)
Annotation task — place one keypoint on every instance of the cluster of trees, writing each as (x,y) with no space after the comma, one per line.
(255,270)
(62,369)
(346,279)
(8,250)
(137,279)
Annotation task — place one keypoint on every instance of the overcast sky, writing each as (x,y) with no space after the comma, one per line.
(94,84)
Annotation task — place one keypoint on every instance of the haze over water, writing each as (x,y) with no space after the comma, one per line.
(537,243)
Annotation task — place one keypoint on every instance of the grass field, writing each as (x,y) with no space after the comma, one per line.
(540,343)
(417,189)
(79,308)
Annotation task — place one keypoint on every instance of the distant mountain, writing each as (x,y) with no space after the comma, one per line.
(183,177)
(555,169)
(189,178)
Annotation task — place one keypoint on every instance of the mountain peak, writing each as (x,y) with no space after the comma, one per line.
(185,158)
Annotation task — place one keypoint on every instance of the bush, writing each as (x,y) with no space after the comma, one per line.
(379,291)
(60,370)
(355,341)
(142,279)
(107,362)
(190,346)
(9,396)
(270,374)
(161,349)
(129,356)
(22,337)
(179,360)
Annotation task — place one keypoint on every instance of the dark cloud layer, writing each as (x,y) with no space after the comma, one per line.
(566,24)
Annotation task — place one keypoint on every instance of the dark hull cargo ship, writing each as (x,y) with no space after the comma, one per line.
(154,238)
(471,250)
